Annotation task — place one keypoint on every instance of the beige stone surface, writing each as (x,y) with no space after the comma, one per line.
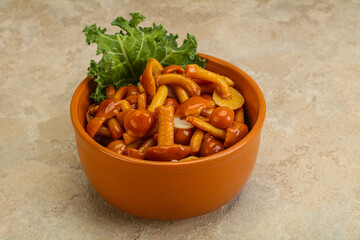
(305,55)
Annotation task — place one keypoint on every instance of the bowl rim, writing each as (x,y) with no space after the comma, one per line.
(242,145)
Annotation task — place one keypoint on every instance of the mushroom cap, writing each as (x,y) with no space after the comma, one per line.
(117,146)
(210,145)
(222,117)
(193,105)
(235,101)
(132,152)
(235,133)
(173,69)
(167,153)
(107,109)
(137,123)
(147,80)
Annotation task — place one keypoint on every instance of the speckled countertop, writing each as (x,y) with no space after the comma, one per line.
(305,55)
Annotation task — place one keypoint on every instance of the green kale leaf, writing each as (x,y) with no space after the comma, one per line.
(124,54)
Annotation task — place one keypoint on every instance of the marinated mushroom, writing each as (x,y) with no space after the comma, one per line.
(117,146)
(235,133)
(234,102)
(171,102)
(182,136)
(193,105)
(180,93)
(196,72)
(138,123)
(107,109)
(115,128)
(110,91)
(176,79)
(153,67)
(210,145)
(166,149)
(171,115)
(222,117)
(159,98)
(207,127)
(120,93)
(132,152)
(173,69)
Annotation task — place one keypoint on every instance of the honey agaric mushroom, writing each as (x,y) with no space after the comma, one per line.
(171,102)
(141,88)
(239,115)
(93,109)
(172,78)
(117,146)
(107,109)
(206,112)
(210,145)
(207,88)
(138,123)
(120,93)
(180,93)
(104,131)
(110,91)
(222,117)
(207,127)
(165,115)
(159,98)
(228,81)
(195,141)
(129,139)
(182,136)
(167,153)
(132,152)
(196,72)
(125,109)
(132,90)
(231,135)
(210,99)
(132,99)
(115,128)
(235,133)
(166,149)
(173,69)
(125,106)
(234,102)
(193,105)
(91,112)
(136,144)
(153,67)
(142,101)
(150,142)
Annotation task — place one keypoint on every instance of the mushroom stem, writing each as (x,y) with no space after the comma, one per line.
(153,67)
(159,98)
(120,93)
(207,127)
(172,78)
(194,71)
(180,93)
(165,116)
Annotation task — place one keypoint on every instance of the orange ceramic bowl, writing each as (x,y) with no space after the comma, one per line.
(172,190)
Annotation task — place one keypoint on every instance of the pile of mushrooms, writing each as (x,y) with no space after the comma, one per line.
(173,114)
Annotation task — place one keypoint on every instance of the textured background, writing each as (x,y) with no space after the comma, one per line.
(305,55)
